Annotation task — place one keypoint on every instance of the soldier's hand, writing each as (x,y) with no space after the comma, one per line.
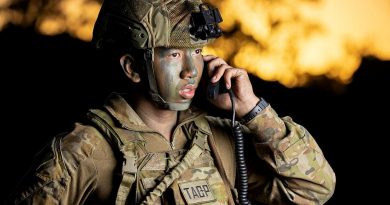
(235,78)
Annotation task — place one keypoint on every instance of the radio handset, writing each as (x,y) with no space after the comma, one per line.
(213,90)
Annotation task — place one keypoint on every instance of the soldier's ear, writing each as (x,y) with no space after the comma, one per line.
(127,63)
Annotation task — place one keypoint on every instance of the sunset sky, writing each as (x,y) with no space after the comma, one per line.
(289,41)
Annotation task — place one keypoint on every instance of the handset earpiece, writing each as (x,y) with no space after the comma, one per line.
(214,89)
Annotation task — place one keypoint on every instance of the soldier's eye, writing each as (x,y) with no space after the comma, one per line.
(198,51)
(174,55)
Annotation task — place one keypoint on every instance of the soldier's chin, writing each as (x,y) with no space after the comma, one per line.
(179,105)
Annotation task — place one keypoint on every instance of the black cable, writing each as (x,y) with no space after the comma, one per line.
(240,157)
(231,94)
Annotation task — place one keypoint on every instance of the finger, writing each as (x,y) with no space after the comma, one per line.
(231,73)
(227,76)
(216,62)
(219,72)
(213,64)
(209,57)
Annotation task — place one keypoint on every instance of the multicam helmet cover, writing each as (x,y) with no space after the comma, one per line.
(148,23)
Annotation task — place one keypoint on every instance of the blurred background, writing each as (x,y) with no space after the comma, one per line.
(323,62)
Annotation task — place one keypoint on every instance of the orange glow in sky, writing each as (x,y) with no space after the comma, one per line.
(289,41)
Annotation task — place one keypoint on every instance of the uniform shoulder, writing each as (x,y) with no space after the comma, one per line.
(85,142)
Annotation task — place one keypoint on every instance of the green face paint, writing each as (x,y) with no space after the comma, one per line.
(177,73)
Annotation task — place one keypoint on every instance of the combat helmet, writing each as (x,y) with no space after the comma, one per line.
(147,24)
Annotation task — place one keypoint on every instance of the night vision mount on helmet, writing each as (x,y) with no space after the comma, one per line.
(204,24)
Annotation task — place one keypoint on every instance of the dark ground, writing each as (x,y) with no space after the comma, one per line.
(45,89)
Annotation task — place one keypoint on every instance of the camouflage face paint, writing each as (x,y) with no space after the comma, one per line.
(177,73)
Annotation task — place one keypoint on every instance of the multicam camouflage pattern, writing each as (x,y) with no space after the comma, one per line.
(147,23)
(285,163)
(291,150)
(213,178)
(189,169)
(157,165)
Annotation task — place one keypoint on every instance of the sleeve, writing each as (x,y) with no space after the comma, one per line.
(62,173)
(294,168)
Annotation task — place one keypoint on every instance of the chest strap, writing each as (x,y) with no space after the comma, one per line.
(129,168)
(197,148)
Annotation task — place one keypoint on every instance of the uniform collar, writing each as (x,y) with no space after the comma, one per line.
(118,107)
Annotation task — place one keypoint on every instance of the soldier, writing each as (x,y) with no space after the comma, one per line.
(150,146)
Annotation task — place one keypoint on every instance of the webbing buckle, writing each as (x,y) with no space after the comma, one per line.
(129,165)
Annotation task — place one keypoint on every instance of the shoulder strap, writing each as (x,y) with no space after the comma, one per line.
(105,124)
(222,149)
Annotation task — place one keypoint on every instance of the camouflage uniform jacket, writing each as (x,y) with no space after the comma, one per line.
(285,164)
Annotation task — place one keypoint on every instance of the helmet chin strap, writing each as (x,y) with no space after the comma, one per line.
(153,91)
